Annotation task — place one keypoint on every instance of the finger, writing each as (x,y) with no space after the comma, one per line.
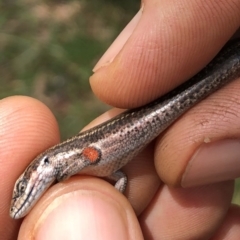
(193,213)
(202,147)
(170,41)
(230,229)
(141,173)
(82,207)
(41,217)
(23,120)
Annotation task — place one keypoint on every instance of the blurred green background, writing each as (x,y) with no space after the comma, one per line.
(48,50)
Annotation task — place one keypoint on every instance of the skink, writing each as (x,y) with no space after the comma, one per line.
(103,150)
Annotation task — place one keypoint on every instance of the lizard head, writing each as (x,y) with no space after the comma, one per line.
(29,187)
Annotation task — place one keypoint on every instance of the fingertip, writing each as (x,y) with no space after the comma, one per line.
(163,51)
(82,207)
(193,213)
(27,127)
(23,120)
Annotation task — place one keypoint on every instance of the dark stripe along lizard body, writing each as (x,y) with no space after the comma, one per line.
(104,149)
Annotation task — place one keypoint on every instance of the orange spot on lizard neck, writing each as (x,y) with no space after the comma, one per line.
(91,153)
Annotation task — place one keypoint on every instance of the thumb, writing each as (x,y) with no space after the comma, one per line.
(81,208)
(166,43)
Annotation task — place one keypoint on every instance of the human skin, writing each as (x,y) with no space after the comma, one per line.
(166,43)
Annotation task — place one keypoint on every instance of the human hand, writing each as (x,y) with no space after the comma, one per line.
(172,41)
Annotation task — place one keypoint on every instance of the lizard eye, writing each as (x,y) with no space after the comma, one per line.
(21,186)
(46,160)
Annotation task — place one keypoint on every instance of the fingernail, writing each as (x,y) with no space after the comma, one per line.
(119,42)
(82,215)
(213,162)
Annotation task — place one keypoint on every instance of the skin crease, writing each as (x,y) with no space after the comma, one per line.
(167,47)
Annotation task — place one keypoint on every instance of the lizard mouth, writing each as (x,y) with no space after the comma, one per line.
(16,212)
